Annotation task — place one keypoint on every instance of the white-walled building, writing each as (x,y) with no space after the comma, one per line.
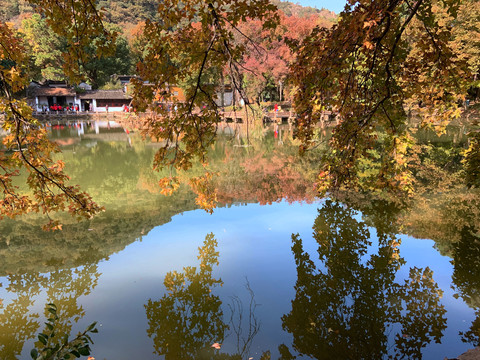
(98,100)
(45,97)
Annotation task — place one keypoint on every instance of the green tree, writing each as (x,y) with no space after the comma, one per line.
(99,68)
(47,48)
(128,11)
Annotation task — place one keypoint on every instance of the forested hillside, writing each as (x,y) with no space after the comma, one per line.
(135,11)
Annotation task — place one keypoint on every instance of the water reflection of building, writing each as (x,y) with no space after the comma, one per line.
(80,127)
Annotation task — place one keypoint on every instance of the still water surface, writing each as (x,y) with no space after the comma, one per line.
(273,269)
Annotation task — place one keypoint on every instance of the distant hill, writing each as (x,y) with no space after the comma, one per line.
(117,11)
(10,10)
(129,11)
(134,11)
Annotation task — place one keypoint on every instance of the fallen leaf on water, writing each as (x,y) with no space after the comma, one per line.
(217,346)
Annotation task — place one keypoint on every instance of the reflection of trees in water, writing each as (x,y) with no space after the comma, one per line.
(239,323)
(24,247)
(64,287)
(268,174)
(466,278)
(111,173)
(18,323)
(450,219)
(123,181)
(188,319)
(351,307)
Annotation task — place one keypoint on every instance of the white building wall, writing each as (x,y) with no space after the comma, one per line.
(70,100)
(41,101)
(110,109)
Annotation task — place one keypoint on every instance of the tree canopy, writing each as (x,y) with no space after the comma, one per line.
(384,63)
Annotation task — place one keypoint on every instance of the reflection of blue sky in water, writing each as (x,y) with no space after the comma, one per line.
(245,235)
(421,253)
(254,242)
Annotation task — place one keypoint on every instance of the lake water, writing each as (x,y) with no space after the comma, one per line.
(273,271)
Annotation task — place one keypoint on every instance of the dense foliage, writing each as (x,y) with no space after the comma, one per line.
(383,64)
(127,19)
(399,60)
